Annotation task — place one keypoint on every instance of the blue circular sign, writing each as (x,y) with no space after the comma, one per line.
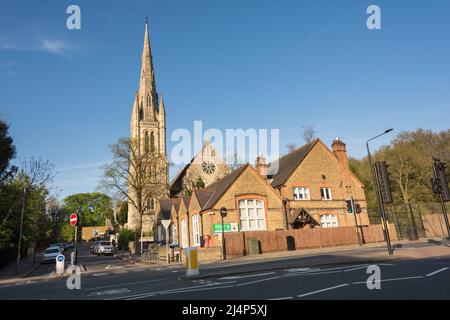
(60,258)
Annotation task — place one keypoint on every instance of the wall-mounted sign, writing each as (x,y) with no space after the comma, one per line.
(228,227)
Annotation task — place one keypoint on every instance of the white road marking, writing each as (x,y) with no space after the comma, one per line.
(280,299)
(436,272)
(256,281)
(119,272)
(109,292)
(323,290)
(148,294)
(358,268)
(124,284)
(136,270)
(100,274)
(389,280)
(109,267)
(309,273)
(302,269)
(249,276)
(200,289)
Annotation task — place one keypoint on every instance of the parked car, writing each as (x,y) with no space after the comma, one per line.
(92,246)
(57,245)
(69,245)
(50,254)
(104,247)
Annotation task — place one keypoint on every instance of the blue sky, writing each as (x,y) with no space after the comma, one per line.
(230,63)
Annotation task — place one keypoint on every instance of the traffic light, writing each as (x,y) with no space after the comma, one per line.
(440,183)
(358,208)
(349,206)
(383,174)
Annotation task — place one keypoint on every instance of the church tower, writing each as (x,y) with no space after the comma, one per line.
(148,130)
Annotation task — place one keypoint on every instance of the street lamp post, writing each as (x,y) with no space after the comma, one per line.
(378,193)
(20,231)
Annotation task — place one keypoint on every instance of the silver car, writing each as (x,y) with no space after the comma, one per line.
(104,247)
(60,245)
(50,254)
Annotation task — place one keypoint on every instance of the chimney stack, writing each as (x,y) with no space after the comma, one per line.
(340,151)
(261,166)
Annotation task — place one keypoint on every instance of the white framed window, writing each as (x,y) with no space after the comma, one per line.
(301,193)
(253,215)
(184,242)
(196,229)
(329,221)
(325,193)
(174,233)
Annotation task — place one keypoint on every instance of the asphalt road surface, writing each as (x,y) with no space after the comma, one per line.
(115,279)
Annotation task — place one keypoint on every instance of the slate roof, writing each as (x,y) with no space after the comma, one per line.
(166,208)
(288,163)
(217,189)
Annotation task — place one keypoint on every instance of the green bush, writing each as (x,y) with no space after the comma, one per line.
(124,237)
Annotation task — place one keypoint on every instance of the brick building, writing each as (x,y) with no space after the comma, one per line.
(305,189)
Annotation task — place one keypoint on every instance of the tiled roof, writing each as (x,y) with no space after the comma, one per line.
(166,208)
(218,188)
(282,169)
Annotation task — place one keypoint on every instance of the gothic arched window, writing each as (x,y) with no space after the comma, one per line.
(146,142)
(150,203)
(152,142)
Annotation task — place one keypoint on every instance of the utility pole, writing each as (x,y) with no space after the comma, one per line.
(20,230)
(378,193)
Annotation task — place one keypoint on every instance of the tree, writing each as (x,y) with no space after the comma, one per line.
(135,175)
(291,147)
(7,152)
(28,185)
(122,214)
(93,208)
(308,133)
(409,157)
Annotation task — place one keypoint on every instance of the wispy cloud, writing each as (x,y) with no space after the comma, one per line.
(5,69)
(4,65)
(83,167)
(45,45)
(52,46)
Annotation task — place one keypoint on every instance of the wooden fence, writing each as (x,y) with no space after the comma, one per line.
(272,241)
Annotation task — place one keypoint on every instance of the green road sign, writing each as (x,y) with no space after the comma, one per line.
(228,227)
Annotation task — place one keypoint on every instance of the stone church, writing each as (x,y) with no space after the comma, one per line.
(148,128)
(204,169)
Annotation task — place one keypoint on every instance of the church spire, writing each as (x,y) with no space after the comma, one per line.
(147,87)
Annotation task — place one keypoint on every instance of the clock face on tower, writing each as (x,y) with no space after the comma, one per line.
(208,167)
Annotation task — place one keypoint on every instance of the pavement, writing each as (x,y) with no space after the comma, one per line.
(417,270)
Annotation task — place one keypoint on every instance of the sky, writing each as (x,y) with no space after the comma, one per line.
(68,94)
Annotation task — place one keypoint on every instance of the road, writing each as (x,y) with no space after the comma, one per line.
(279,280)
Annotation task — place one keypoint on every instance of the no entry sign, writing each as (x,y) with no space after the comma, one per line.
(73,219)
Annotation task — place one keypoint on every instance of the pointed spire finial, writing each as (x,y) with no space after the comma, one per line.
(146,20)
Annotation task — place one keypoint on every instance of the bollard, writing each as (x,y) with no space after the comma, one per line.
(60,264)
(192,262)
(72,258)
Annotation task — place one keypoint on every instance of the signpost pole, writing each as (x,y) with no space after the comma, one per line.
(166,224)
(74,222)
(356,220)
(223,213)
(224,254)
(76,244)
